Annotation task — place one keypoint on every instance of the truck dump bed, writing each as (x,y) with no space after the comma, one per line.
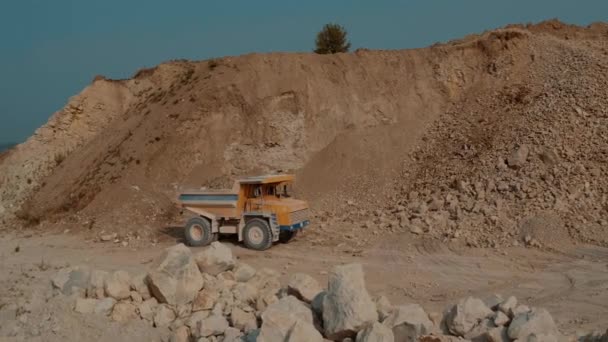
(210,197)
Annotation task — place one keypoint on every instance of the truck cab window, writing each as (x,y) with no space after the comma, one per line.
(285,192)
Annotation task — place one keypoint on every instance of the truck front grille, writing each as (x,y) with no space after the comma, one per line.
(299,216)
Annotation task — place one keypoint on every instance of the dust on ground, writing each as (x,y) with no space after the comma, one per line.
(572,285)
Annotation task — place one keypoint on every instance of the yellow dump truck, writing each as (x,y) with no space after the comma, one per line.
(259,209)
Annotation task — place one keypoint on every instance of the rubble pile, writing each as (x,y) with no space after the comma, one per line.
(523,163)
(209,296)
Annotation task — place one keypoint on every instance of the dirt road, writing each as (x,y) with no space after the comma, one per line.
(572,285)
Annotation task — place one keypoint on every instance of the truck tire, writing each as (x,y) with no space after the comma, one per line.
(257,234)
(198,232)
(286,235)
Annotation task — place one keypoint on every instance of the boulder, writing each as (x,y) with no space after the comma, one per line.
(266,279)
(375,332)
(438,322)
(508,306)
(244,321)
(537,321)
(245,293)
(85,305)
(414,229)
(147,309)
(72,279)
(123,312)
(176,324)
(96,285)
(226,302)
(243,273)
(118,285)
(466,314)
(105,306)
(493,301)
(175,278)
(135,297)
(498,334)
(500,318)
(183,311)
(518,157)
(303,332)
(195,318)
(218,309)
(211,282)
(317,303)
(479,331)
(181,334)
(384,307)
(520,309)
(211,326)
(227,277)
(347,306)
(440,338)
(205,300)
(303,286)
(138,283)
(542,338)
(252,336)
(548,156)
(293,306)
(408,322)
(595,336)
(288,320)
(265,299)
(232,335)
(268,285)
(164,316)
(215,259)
(406,332)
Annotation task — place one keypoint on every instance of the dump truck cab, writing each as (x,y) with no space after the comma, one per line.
(261,210)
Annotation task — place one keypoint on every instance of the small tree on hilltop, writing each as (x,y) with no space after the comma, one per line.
(332,39)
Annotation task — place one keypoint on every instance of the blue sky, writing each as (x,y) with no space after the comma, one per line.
(50,50)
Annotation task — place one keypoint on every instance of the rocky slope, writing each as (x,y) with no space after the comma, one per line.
(525,163)
(467,140)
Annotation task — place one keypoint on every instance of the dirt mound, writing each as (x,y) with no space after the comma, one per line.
(383,141)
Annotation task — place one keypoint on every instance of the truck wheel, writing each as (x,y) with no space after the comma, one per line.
(257,234)
(198,232)
(285,235)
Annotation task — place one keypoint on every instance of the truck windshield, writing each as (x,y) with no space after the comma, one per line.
(283,190)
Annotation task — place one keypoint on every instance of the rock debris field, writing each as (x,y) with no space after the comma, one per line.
(210,296)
